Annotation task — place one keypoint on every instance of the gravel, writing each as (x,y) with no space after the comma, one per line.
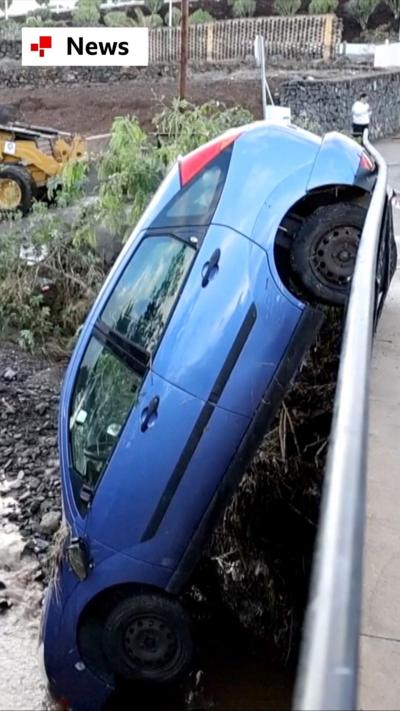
(29,466)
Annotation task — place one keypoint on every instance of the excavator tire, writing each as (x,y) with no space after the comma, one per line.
(17,189)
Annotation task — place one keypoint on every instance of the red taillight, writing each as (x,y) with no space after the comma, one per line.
(194,162)
(366,163)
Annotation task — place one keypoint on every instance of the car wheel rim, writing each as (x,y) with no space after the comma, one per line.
(334,255)
(149,643)
(10,194)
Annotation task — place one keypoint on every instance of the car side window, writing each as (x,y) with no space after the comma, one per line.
(144,297)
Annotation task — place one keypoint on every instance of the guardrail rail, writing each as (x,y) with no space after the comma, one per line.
(328,670)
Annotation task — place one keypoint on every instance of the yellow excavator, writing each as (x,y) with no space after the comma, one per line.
(29,157)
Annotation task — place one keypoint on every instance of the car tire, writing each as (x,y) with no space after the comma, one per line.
(147,638)
(323,252)
(17,189)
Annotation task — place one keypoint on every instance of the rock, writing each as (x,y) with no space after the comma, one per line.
(9,374)
(40,545)
(50,522)
(5,604)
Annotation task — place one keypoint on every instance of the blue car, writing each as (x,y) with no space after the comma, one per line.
(178,373)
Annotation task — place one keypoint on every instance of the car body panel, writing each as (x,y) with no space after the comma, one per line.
(226,336)
(145,465)
(261,159)
(328,170)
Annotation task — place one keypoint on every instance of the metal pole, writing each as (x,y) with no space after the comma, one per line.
(6,10)
(184,48)
(170,14)
(328,670)
(261,49)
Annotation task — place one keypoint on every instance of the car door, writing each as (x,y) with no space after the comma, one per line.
(231,326)
(132,433)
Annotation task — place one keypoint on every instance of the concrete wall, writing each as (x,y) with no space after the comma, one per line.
(329,102)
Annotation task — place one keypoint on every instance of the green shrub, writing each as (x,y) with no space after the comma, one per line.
(378,34)
(86,13)
(199,17)
(394,6)
(129,173)
(143,20)
(176,16)
(154,6)
(322,7)
(362,10)
(287,7)
(243,8)
(74,273)
(116,18)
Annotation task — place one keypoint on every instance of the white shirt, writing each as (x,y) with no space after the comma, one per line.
(361,113)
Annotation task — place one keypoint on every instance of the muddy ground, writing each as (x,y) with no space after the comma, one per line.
(90,108)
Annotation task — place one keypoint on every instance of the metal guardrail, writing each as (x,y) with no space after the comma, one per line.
(328,671)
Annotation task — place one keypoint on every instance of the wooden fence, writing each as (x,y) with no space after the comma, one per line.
(301,35)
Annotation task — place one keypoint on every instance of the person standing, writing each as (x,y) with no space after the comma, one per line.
(361,114)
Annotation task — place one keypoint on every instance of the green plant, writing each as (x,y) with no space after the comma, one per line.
(143,20)
(39,18)
(243,8)
(176,16)
(377,34)
(38,317)
(184,126)
(154,6)
(116,18)
(394,6)
(69,186)
(87,12)
(130,171)
(287,7)
(322,7)
(64,253)
(199,17)
(362,10)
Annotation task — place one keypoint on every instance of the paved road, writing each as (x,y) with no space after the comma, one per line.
(380,642)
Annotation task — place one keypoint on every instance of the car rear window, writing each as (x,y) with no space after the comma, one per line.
(146,292)
(196,203)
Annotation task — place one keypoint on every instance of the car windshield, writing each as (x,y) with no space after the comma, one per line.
(144,297)
(105,392)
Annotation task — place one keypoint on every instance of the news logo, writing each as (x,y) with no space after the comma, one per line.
(45,42)
(84,46)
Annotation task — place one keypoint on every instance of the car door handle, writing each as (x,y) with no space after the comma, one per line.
(149,414)
(210,268)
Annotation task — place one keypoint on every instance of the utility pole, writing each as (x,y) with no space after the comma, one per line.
(184,48)
(6,10)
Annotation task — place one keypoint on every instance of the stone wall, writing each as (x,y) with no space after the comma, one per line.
(12,74)
(329,102)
